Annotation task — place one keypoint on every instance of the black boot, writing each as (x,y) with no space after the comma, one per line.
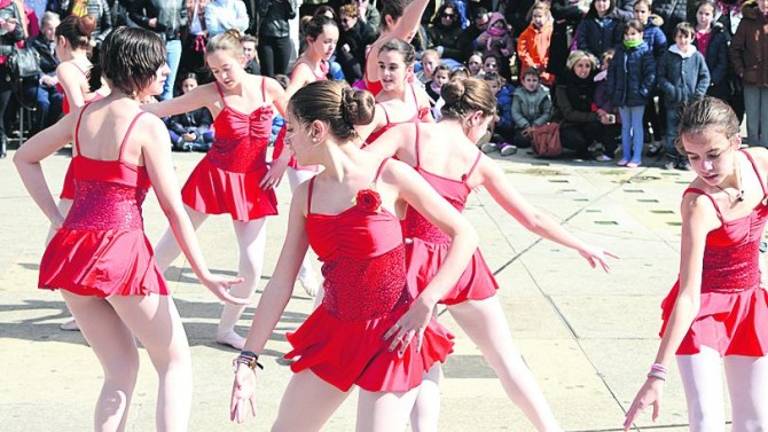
(3,146)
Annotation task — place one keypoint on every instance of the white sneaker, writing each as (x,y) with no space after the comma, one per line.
(70,325)
(508,150)
(488,148)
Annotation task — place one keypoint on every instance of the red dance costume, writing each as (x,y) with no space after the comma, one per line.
(421,115)
(428,245)
(227,179)
(68,190)
(365,294)
(101,249)
(733,317)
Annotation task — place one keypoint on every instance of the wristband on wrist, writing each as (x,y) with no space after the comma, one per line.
(658,371)
(248,358)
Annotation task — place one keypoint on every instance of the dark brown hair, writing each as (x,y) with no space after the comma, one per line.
(316,25)
(404,48)
(463,97)
(335,103)
(707,113)
(77,30)
(634,24)
(130,58)
(685,29)
(393,8)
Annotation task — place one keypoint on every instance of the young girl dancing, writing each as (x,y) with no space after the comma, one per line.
(446,156)
(368,331)
(233,177)
(100,257)
(716,313)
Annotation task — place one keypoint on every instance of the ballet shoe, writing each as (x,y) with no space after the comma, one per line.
(70,325)
(231,339)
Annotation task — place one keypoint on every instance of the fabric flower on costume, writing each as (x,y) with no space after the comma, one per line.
(368,200)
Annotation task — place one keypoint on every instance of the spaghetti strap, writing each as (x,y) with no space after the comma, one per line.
(701,192)
(757,172)
(77,128)
(472,168)
(418,157)
(309,195)
(221,94)
(127,134)
(386,114)
(264,90)
(378,171)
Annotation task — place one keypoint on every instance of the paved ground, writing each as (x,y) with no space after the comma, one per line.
(588,337)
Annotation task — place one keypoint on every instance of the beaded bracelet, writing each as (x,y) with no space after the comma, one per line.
(248,358)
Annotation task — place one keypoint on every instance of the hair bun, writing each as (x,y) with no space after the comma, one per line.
(452,92)
(357,106)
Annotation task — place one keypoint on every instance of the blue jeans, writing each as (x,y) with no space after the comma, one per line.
(673,121)
(756,108)
(49,106)
(632,133)
(173,57)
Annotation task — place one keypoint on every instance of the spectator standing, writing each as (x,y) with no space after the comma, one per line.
(356,35)
(533,43)
(728,13)
(47,97)
(712,42)
(167,18)
(223,15)
(656,40)
(749,54)
(652,34)
(531,107)
(631,78)
(682,76)
(601,29)
(445,30)
(195,37)
(250,47)
(567,15)
(274,35)
(673,12)
(466,42)
(11,31)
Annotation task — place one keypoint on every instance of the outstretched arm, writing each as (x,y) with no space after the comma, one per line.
(531,218)
(196,98)
(405,29)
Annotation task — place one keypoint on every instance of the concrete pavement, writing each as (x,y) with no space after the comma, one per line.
(588,337)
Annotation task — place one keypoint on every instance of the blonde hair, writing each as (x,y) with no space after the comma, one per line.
(230,40)
(579,55)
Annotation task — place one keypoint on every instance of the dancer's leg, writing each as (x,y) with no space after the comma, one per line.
(114,346)
(167,249)
(384,412)
(308,402)
(251,241)
(426,409)
(64,206)
(156,323)
(306,277)
(701,374)
(748,387)
(484,322)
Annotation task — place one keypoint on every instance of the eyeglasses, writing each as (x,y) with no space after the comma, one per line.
(448,15)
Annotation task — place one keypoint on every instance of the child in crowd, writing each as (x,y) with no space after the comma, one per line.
(531,107)
(430,60)
(500,131)
(600,29)
(491,64)
(631,78)
(656,40)
(533,44)
(475,65)
(497,40)
(602,104)
(712,42)
(440,76)
(683,76)
(192,130)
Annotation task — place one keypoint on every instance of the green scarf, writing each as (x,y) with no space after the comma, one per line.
(629,44)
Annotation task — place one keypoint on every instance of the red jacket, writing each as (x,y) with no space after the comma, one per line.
(533,50)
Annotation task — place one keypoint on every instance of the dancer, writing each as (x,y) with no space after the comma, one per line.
(100,257)
(716,313)
(234,176)
(445,154)
(73,39)
(367,313)
(322,34)
(399,101)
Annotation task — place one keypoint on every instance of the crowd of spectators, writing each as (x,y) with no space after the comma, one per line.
(611,74)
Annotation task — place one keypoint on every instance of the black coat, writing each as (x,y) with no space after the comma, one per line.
(567,17)
(718,61)
(48,59)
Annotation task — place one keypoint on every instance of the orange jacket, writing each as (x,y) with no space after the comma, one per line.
(533,50)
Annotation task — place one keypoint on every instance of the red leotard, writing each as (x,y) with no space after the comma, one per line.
(365,294)
(733,317)
(101,249)
(227,179)
(428,246)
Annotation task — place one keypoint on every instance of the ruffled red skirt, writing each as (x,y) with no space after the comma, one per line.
(731,323)
(68,189)
(346,353)
(424,260)
(212,190)
(101,263)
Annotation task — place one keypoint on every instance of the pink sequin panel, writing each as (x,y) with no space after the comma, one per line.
(101,205)
(731,269)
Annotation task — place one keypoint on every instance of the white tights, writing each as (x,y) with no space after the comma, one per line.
(747,379)
(485,324)
(251,241)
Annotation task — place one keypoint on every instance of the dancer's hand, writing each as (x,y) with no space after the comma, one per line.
(220,287)
(596,255)
(649,395)
(411,325)
(276,170)
(243,394)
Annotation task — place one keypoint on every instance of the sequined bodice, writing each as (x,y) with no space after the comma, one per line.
(241,139)
(732,251)
(108,195)
(454,191)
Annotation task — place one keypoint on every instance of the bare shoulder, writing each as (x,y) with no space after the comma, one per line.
(760,156)
(698,206)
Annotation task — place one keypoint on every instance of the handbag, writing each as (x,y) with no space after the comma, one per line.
(546,140)
(23,63)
